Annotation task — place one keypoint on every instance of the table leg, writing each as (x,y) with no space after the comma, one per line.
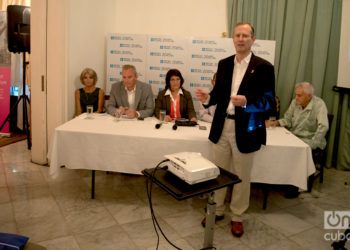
(209,222)
(93,184)
(265,189)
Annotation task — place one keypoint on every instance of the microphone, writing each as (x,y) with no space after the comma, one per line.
(158,125)
(174,127)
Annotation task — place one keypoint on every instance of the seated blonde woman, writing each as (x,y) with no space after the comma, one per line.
(174,99)
(89,94)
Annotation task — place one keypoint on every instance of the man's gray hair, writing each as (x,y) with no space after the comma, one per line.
(129,66)
(308,88)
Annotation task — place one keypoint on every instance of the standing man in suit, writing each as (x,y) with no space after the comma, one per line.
(130,97)
(244,92)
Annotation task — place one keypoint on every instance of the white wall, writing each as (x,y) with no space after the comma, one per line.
(181,17)
(91,20)
(38,70)
(344,49)
(48,73)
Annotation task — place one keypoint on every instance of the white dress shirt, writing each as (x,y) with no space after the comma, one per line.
(131,97)
(238,73)
(168,92)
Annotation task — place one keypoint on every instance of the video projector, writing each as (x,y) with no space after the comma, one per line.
(192,167)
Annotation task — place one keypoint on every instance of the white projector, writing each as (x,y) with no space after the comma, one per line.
(192,167)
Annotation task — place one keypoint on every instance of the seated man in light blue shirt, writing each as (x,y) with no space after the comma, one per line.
(306,117)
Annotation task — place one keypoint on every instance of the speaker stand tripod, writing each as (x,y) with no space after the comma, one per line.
(25,101)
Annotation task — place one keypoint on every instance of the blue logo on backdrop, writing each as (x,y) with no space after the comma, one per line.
(207,49)
(164,61)
(155,54)
(197,41)
(196,70)
(155,39)
(207,64)
(203,78)
(154,68)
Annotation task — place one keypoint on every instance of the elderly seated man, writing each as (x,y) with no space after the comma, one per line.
(306,118)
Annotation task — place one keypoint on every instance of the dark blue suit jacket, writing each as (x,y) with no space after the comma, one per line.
(258,86)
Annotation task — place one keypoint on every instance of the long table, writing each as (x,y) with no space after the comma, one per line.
(129,146)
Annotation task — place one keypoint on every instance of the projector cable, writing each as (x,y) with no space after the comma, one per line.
(149,185)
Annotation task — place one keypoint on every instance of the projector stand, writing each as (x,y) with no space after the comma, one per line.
(181,190)
(209,222)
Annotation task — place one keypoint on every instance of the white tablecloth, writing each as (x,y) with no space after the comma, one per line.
(284,160)
(129,146)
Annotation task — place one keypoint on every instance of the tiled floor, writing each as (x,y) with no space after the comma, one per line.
(59,213)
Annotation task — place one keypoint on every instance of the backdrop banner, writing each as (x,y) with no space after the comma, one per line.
(5,74)
(153,55)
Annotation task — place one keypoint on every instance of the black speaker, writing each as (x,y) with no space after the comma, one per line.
(18,28)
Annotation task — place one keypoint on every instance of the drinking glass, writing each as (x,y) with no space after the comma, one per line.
(272,121)
(162,114)
(89,112)
(118,114)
